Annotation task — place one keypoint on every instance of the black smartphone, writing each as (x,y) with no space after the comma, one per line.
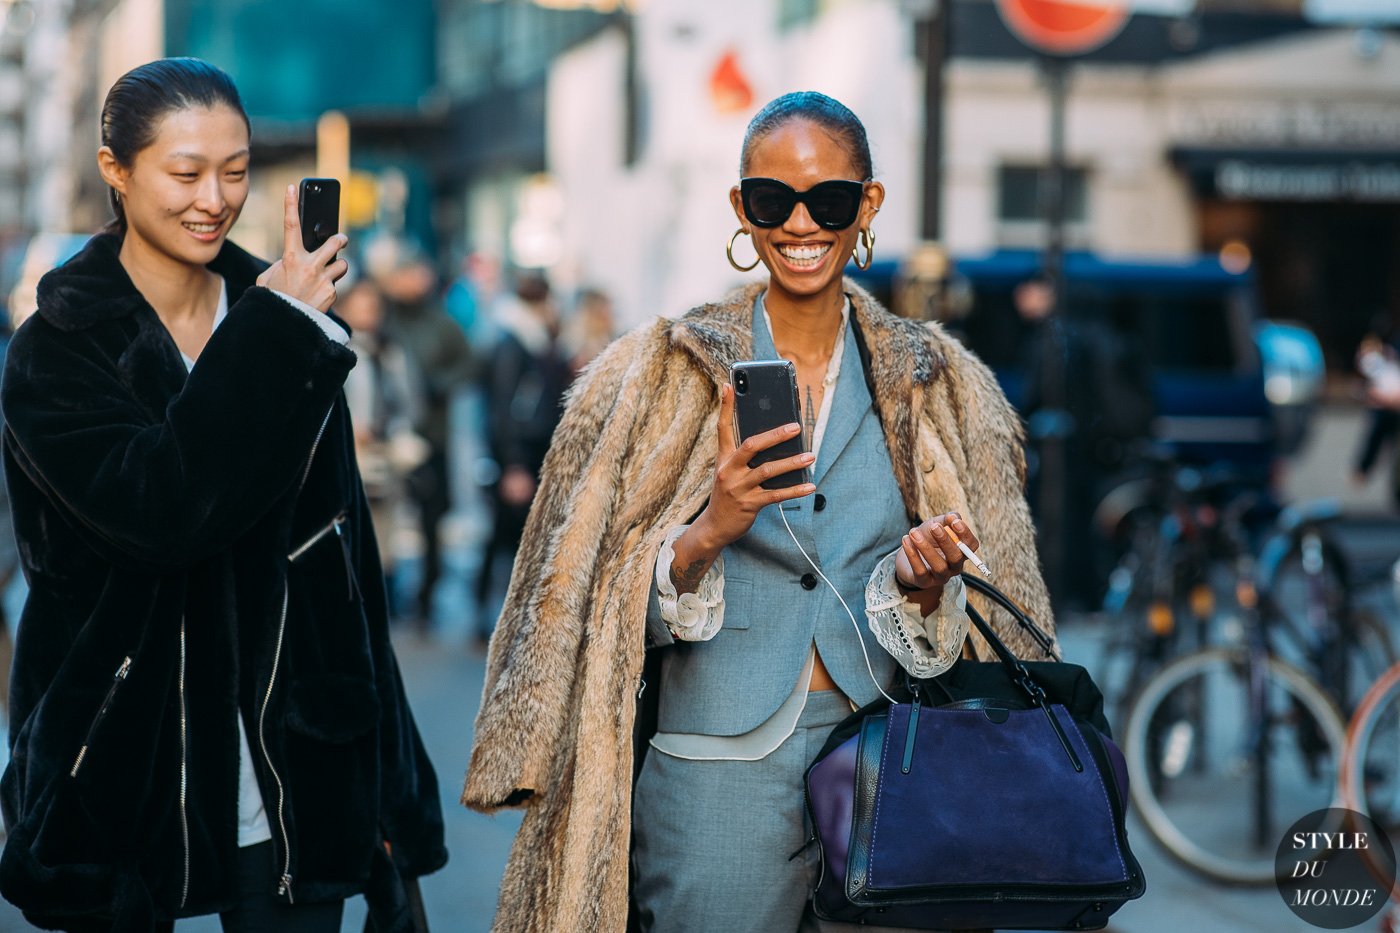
(318,207)
(765,397)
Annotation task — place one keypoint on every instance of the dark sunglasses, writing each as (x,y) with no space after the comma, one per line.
(768,202)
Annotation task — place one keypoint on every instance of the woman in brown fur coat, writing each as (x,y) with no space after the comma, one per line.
(651,531)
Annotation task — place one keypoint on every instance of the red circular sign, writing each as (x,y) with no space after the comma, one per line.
(1064,27)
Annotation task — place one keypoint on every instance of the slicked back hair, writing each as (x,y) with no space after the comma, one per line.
(141,99)
(828,113)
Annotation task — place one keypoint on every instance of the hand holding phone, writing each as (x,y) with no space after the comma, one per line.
(765,397)
(308,277)
(744,469)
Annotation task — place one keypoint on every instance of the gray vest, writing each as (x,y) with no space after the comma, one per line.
(775,605)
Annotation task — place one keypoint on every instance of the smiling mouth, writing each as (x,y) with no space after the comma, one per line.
(201,229)
(805,257)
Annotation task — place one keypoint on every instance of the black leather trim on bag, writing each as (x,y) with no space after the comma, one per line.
(1031,734)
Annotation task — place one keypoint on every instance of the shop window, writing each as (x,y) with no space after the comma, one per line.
(1019,194)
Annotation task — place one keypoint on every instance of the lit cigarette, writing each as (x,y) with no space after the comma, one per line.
(977,562)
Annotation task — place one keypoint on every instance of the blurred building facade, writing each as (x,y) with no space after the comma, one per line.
(1245,124)
(599,142)
(57,57)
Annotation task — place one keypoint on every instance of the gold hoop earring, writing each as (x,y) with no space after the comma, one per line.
(729,251)
(867,239)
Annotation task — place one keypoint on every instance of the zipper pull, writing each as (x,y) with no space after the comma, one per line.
(352,588)
(117,678)
(284,887)
(1037,694)
(1064,739)
(805,846)
(910,734)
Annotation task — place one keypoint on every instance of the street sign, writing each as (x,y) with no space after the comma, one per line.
(1064,27)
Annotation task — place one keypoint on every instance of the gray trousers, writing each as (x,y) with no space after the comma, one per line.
(712,838)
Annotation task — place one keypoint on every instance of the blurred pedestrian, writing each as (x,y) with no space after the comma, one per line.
(472,295)
(1378,361)
(525,384)
(1106,413)
(385,401)
(444,361)
(201,566)
(653,529)
(590,329)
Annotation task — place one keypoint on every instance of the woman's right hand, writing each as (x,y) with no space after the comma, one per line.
(737,495)
(308,277)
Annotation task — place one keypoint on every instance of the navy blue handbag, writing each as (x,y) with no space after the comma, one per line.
(994,798)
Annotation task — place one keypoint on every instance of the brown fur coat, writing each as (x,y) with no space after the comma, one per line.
(633,456)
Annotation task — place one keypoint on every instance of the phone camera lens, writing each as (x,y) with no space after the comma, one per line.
(314,189)
(741,382)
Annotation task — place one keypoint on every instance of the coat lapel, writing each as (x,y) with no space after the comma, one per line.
(848,408)
(151,365)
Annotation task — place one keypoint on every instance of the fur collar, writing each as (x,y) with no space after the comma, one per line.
(720,334)
(93,286)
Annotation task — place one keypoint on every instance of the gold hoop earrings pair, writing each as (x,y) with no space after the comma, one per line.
(867,239)
(729,251)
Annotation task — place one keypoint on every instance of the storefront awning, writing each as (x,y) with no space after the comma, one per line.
(1317,175)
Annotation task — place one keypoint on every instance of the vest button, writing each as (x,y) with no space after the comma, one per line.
(819,503)
(809,581)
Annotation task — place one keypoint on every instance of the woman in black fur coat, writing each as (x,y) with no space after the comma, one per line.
(206,714)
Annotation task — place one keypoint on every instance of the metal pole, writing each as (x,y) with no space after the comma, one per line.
(1053,487)
(933,40)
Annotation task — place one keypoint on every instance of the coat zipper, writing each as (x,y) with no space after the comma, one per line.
(184,770)
(117,679)
(284,882)
(309,543)
(352,585)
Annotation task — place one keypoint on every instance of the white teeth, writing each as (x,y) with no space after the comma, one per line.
(804,255)
(201,228)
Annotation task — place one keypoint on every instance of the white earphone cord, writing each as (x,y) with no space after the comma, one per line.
(850,614)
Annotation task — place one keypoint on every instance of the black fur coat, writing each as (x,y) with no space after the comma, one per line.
(155,512)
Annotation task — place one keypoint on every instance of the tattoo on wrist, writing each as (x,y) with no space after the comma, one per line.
(688,579)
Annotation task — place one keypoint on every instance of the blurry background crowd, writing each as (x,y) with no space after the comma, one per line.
(522,181)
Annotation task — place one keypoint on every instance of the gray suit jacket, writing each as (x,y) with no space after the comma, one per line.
(775,605)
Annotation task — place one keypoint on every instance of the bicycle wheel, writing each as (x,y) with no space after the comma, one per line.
(1217,785)
(1371,766)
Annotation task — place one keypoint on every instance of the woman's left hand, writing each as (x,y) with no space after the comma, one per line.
(928,557)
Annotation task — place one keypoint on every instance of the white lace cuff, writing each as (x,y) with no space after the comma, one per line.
(691,616)
(924,645)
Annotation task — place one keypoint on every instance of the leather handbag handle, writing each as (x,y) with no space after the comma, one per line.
(980,585)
